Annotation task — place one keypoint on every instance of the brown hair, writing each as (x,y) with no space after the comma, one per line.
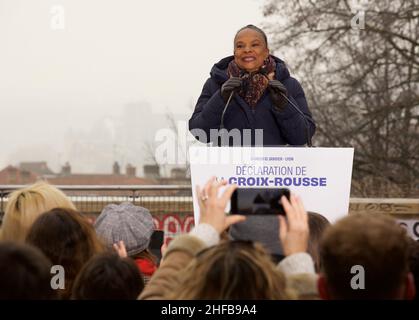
(108,277)
(67,239)
(375,242)
(145,254)
(317,225)
(27,204)
(414,263)
(24,273)
(232,270)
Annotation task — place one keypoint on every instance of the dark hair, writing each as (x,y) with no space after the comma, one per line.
(24,273)
(253,27)
(414,262)
(108,277)
(67,239)
(317,224)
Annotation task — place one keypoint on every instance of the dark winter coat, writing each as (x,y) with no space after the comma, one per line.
(286,127)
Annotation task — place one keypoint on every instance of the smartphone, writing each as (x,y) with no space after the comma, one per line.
(156,242)
(258,201)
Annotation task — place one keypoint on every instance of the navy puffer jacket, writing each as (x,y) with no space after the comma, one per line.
(287,127)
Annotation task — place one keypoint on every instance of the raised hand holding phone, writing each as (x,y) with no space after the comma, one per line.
(258,201)
(293,230)
(212,206)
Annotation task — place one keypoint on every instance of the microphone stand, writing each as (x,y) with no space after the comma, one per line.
(222,119)
(225,109)
(309,144)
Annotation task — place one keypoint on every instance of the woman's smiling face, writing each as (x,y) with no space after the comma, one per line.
(250,50)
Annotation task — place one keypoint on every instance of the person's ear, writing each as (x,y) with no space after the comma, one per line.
(267,53)
(322,287)
(410,291)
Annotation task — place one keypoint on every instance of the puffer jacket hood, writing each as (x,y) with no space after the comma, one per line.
(219,70)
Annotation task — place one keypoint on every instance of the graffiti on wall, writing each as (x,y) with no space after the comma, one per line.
(173,225)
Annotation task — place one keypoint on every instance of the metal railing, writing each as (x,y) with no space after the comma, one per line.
(159,199)
(172,208)
(177,199)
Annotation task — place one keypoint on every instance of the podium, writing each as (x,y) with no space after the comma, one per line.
(320,176)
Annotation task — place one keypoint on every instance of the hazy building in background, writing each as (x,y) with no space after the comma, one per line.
(121,138)
(71,93)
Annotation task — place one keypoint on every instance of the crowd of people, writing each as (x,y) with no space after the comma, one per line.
(359,257)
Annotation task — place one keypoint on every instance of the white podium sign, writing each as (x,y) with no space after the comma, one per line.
(320,176)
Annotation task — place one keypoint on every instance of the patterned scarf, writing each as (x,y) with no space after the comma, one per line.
(254,83)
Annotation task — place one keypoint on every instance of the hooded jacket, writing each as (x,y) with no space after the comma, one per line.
(286,127)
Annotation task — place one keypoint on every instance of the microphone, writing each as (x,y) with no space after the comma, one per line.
(220,139)
(225,109)
(242,73)
(296,108)
(309,143)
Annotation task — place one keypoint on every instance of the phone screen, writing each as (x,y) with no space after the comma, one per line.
(156,242)
(257,201)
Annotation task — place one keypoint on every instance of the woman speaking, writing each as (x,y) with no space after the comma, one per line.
(252,90)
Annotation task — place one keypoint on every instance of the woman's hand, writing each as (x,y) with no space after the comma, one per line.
(293,231)
(278,90)
(212,207)
(120,249)
(229,86)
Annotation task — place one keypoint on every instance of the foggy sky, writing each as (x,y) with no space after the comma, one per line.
(109,55)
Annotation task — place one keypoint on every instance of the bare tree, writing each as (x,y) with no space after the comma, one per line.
(360,72)
(172,124)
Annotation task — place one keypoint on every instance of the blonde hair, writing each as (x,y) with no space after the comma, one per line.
(27,204)
(232,270)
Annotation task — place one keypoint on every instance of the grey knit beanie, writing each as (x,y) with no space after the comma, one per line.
(131,224)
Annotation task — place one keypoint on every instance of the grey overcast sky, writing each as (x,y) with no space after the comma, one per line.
(110,53)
